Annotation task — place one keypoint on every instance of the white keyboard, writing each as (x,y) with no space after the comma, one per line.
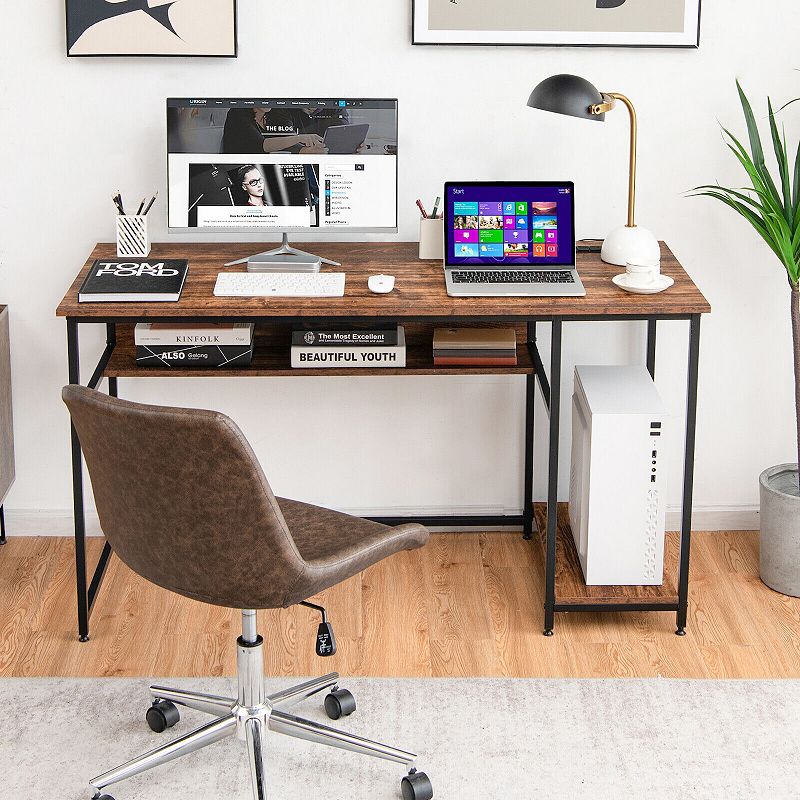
(280,284)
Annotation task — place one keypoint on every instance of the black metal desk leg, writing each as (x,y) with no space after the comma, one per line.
(2,525)
(73,358)
(527,494)
(552,478)
(111,339)
(688,473)
(651,348)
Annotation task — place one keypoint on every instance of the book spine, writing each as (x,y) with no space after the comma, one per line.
(348,357)
(449,361)
(354,338)
(181,356)
(171,338)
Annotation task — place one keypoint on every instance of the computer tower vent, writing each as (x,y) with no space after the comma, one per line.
(651,559)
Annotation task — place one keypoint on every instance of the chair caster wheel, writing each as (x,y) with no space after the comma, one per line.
(339,703)
(103,797)
(416,786)
(162,715)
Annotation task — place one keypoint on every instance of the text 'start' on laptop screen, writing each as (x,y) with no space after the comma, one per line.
(510,225)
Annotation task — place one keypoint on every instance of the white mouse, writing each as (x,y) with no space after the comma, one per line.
(381,284)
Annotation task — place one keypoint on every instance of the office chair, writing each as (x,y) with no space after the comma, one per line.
(184,503)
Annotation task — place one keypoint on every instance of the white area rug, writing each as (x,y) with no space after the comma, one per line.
(482,739)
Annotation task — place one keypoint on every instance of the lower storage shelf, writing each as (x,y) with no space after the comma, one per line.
(571,588)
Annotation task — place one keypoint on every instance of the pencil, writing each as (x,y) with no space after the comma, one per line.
(149,205)
(141,206)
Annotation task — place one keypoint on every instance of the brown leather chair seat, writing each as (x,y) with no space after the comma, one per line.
(337,546)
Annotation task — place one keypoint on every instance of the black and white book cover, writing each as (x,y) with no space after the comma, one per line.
(152,280)
(181,356)
(311,357)
(345,338)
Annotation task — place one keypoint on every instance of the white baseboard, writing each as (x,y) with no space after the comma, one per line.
(58,522)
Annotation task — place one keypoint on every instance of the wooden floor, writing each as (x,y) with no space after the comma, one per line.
(467,605)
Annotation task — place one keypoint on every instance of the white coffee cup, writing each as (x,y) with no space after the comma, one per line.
(642,274)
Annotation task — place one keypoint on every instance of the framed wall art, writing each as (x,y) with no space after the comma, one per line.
(631,23)
(151,28)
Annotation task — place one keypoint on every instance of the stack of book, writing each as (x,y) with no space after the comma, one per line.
(474,347)
(314,349)
(223,344)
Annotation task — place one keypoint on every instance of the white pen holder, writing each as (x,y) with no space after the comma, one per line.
(431,239)
(133,239)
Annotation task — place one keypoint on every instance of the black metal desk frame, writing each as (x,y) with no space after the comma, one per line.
(550,388)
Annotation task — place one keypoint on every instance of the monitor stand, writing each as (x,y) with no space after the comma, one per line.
(285,259)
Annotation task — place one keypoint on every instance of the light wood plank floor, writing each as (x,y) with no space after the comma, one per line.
(467,605)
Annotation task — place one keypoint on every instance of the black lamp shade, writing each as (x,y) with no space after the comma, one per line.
(567,94)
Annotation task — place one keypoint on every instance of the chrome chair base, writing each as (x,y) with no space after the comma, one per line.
(247,717)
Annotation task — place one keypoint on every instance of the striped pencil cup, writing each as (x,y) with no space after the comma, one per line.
(133,239)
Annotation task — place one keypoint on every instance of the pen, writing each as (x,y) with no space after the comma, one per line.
(436,207)
(120,203)
(422,209)
(141,206)
(116,203)
(149,205)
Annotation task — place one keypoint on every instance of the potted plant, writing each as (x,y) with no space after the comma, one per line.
(772,207)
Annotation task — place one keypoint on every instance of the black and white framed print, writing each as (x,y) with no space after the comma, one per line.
(151,28)
(632,23)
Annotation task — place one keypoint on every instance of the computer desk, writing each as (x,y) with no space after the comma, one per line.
(420,303)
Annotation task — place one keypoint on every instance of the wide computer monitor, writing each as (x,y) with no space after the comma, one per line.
(248,164)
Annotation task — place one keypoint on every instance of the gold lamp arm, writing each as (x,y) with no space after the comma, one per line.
(608,104)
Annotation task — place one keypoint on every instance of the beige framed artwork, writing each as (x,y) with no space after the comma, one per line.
(151,28)
(621,23)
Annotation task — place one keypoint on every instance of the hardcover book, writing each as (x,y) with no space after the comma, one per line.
(349,356)
(149,281)
(170,333)
(474,339)
(183,356)
(348,338)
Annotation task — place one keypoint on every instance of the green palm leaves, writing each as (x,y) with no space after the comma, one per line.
(771,207)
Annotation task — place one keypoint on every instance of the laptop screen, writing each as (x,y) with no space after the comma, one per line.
(509,224)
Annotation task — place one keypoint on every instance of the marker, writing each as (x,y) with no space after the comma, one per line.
(422,209)
(436,207)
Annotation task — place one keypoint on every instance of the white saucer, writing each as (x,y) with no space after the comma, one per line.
(658,285)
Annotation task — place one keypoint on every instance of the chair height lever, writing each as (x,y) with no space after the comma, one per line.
(326,642)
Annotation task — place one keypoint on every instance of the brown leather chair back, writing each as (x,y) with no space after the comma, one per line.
(183,501)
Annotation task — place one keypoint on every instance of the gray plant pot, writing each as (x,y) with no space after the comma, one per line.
(780,529)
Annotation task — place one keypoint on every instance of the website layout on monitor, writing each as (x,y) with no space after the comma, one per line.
(510,225)
(282,163)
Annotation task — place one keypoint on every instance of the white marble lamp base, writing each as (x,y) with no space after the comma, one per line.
(635,244)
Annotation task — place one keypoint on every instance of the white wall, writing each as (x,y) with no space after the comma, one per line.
(74,130)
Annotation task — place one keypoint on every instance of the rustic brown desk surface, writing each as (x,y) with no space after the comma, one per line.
(419,288)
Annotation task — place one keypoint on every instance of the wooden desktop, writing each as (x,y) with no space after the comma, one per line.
(420,303)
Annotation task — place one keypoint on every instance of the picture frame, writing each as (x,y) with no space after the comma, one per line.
(151,28)
(586,23)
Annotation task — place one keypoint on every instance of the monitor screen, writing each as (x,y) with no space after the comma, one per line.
(509,224)
(245,164)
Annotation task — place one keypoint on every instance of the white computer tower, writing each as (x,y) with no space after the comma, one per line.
(620,433)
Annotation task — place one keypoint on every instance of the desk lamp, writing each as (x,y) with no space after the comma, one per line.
(576,97)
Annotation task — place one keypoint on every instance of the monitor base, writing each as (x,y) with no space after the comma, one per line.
(294,260)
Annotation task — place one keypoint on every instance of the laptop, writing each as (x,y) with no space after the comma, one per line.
(510,239)
(345,139)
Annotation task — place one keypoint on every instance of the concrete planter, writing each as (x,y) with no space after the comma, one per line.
(780,529)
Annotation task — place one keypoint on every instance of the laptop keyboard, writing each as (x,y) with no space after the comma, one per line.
(514,276)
